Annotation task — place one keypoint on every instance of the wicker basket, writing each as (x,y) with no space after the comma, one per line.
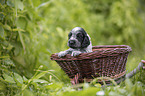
(106,61)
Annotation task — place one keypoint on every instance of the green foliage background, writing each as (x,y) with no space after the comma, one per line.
(31,30)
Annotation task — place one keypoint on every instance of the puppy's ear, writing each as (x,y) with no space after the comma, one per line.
(86,42)
(69,35)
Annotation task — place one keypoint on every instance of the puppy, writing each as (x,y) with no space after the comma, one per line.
(79,42)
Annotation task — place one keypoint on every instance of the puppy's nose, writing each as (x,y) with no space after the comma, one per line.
(72,42)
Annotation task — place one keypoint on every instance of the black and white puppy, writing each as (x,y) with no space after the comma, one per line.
(79,42)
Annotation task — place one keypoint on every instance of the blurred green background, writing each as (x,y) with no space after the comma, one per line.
(32,30)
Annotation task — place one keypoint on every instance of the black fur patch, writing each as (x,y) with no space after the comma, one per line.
(80,37)
(69,35)
(86,42)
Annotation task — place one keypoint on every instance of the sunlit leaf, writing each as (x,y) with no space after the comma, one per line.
(8,78)
(27,92)
(21,30)
(97,85)
(19,4)
(44,4)
(87,92)
(40,75)
(24,86)
(40,81)
(24,78)
(18,78)
(7,27)
(54,86)
(128,84)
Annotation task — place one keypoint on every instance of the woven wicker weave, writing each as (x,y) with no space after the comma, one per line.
(106,61)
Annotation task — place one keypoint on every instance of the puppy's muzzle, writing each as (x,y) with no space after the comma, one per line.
(72,42)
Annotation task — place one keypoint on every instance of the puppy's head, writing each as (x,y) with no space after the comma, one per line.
(78,38)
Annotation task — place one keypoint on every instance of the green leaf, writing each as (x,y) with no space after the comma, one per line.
(21,23)
(27,92)
(18,47)
(40,81)
(44,4)
(40,75)
(24,86)
(10,3)
(21,39)
(129,84)
(18,30)
(87,92)
(7,27)
(8,78)
(18,78)
(24,78)
(1,31)
(36,2)
(19,4)
(54,86)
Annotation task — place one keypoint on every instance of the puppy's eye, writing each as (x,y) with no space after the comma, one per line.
(69,35)
(79,35)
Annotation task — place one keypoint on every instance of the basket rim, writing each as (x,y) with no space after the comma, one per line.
(104,51)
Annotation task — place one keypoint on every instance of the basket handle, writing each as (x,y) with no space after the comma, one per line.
(137,69)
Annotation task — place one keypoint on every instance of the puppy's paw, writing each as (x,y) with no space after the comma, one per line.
(62,53)
(75,53)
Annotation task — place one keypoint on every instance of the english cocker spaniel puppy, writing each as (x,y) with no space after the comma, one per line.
(79,42)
